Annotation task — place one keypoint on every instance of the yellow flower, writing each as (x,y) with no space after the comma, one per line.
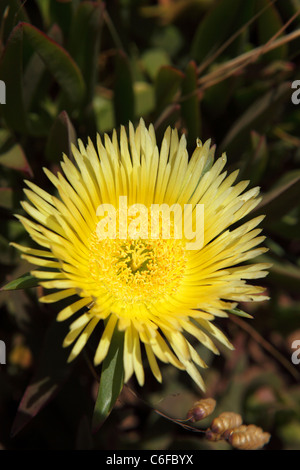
(153,289)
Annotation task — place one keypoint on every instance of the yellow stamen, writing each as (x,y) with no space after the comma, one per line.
(137,271)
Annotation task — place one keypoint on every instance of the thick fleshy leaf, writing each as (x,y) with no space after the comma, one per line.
(218,25)
(167,84)
(144,98)
(104,113)
(239,313)
(52,372)
(61,136)
(56,59)
(84,42)
(59,62)
(261,113)
(269,23)
(260,156)
(168,117)
(43,6)
(61,13)
(217,97)
(37,81)
(11,72)
(190,103)
(15,158)
(168,39)
(26,281)
(280,200)
(152,60)
(123,90)
(12,12)
(254,162)
(111,381)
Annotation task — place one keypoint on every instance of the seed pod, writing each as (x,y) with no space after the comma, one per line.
(251,438)
(212,436)
(226,420)
(201,409)
(230,431)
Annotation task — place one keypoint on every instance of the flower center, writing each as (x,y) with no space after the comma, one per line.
(137,270)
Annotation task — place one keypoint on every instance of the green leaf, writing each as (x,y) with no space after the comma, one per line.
(239,313)
(123,90)
(259,117)
(260,156)
(11,12)
(84,42)
(168,39)
(61,136)
(217,97)
(190,106)
(144,98)
(152,60)
(168,117)
(37,80)
(280,200)
(26,281)
(254,162)
(104,112)
(111,381)
(14,157)
(44,9)
(218,25)
(167,84)
(59,62)
(61,13)
(11,72)
(52,372)
(269,23)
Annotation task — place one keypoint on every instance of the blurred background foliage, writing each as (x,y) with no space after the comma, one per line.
(214,69)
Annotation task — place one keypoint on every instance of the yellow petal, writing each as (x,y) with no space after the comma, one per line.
(104,344)
(68,311)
